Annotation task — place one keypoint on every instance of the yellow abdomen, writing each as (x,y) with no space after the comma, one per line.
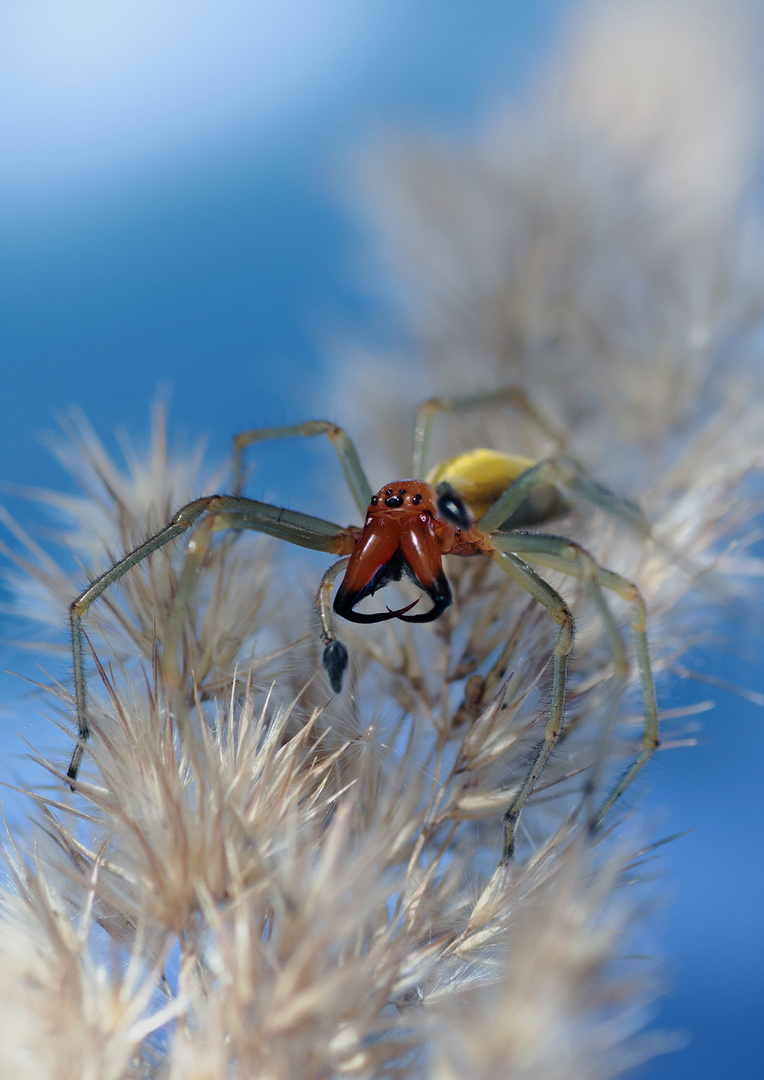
(481,476)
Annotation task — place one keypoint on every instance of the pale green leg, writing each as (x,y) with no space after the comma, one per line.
(560,612)
(510,395)
(225,512)
(561,471)
(179,524)
(559,553)
(650,738)
(340,440)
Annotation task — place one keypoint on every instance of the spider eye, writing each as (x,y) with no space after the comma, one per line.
(417,499)
(452,507)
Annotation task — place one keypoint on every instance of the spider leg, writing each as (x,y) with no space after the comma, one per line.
(560,612)
(559,553)
(340,440)
(509,395)
(223,512)
(561,471)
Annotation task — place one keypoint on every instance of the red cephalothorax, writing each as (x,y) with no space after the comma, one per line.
(405,532)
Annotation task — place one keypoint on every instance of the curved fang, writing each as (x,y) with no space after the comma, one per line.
(439,593)
(400,612)
(347,598)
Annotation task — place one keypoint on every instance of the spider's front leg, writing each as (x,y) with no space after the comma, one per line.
(543,592)
(219,512)
(559,553)
(182,521)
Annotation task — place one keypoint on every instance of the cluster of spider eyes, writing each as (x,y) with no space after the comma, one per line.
(393,501)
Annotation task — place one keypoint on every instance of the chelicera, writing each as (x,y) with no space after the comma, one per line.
(481,503)
(406,532)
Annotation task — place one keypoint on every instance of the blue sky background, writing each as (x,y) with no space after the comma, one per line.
(169,216)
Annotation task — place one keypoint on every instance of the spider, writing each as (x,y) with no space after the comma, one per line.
(478,503)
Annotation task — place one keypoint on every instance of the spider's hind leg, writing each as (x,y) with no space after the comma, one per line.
(565,473)
(513,396)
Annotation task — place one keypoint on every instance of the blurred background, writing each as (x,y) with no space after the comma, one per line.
(176,215)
